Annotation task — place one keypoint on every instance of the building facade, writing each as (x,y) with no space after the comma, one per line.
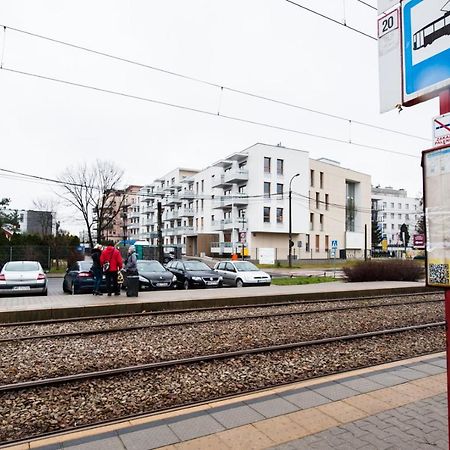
(240,204)
(393,208)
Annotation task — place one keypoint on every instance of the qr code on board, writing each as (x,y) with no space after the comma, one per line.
(438,273)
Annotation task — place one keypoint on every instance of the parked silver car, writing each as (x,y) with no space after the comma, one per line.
(242,273)
(23,277)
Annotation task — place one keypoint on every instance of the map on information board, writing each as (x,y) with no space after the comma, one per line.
(436,172)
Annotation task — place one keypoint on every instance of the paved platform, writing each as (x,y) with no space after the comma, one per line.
(14,309)
(400,405)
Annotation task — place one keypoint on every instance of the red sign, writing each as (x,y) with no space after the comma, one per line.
(419,240)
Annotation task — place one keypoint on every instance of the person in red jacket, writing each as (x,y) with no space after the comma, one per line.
(111,261)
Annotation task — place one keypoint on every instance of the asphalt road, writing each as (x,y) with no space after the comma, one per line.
(55,286)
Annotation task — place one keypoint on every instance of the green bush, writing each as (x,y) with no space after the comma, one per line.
(390,270)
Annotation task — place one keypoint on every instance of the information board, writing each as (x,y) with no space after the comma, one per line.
(436,174)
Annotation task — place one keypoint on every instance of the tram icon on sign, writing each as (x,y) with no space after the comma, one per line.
(434,30)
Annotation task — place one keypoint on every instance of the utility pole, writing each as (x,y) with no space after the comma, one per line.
(160,241)
(365,242)
(291,243)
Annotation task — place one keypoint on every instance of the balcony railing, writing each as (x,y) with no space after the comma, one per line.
(185,212)
(235,176)
(222,248)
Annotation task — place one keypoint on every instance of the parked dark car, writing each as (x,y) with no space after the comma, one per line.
(79,279)
(153,275)
(193,274)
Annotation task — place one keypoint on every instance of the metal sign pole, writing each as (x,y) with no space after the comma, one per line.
(444,104)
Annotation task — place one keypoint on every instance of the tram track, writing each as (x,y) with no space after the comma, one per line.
(287,309)
(127,392)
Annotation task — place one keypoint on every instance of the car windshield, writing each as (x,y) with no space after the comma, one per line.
(21,266)
(150,266)
(195,265)
(85,266)
(245,266)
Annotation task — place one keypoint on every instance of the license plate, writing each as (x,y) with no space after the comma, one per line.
(212,283)
(162,284)
(21,288)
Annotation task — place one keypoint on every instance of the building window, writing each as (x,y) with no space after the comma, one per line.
(399,206)
(280,190)
(279,215)
(392,215)
(203,185)
(266,214)
(311,221)
(327,201)
(350,206)
(201,204)
(407,206)
(327,243)
(201,222)
(400,216)
(392,226)
(280,167)
(317,200)
(266,189)
(307,243)
(392,205)
(321,180)
(311,177)
(317,243)
(242,189)
(321,222)
(406,216)
(266,164)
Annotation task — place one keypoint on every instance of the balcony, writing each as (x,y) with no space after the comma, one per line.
(219,182)
(171,215)
(186,212)
(228,201)
(222,248)
(186,231)
(133,214)
(158,191)
(173,199)
(235,176)
(186,194)
(225,224)
(146,222)
(149,235)
(169,231)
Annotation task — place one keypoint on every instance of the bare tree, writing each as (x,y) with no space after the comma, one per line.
(94,192)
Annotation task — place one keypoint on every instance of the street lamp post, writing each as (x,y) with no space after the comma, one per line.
(291,244)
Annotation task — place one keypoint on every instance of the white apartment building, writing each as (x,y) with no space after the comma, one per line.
(393,208)
(241,203)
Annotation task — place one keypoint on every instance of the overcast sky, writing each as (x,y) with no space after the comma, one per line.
(268,47)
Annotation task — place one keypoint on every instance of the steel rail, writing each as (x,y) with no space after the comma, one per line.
(205,358)
(212,308)
(205,321)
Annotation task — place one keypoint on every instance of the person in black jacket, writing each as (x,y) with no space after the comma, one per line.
(97,268)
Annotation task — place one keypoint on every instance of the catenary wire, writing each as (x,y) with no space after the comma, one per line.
(209,113)
(324,16)
(213,84)
(367,4)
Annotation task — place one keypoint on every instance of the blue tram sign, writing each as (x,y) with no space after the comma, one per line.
(426,48)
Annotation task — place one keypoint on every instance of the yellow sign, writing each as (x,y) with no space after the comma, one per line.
(384,245)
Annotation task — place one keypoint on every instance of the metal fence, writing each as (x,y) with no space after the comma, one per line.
(49,257)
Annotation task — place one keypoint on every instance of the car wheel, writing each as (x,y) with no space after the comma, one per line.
(239,283)
(186,284)
(44,292)
(73,291)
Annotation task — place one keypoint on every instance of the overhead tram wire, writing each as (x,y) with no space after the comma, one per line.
(209,113)
(324,16)
(212,84)
(20,176)
(367,4)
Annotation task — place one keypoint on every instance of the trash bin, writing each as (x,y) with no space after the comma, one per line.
(132,285)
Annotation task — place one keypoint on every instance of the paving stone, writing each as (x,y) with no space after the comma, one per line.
(194,425)
(361,385)
(429,369)
(335,391)
(409,373)
(106,441)
(272,406)
(50,447)
(147,436)
(306,398)
(235,415)
(440,362)
(387,379)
